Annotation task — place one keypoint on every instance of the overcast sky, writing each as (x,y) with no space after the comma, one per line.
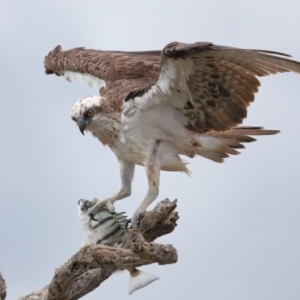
(238,233)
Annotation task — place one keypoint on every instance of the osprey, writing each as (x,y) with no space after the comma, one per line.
(156,105)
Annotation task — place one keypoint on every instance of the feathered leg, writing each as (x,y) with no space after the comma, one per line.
(152,166)
(126,172)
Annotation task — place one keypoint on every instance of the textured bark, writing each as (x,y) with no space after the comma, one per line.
(159,221)
(93,264)
(87,282)
(38,295)
(2,288)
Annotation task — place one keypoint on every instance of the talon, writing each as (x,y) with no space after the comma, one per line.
(137,217)
(127,223)
(92,217)
(138,220)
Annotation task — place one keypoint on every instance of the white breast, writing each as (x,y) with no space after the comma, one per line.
(130,150)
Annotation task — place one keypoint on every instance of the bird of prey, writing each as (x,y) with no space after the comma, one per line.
(154,106)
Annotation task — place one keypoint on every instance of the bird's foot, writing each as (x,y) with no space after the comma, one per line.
(107,204)
(137,216)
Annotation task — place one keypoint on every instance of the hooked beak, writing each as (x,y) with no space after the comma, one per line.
(82,125)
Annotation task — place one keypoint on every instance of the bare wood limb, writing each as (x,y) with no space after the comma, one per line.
(108,258)
(87,282)
(93,264)
(159,221)
(38,295)
(2,288)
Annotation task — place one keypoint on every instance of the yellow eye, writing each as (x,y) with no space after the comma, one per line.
(90,113)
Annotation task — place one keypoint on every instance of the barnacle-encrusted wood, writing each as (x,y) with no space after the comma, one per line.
(93,264)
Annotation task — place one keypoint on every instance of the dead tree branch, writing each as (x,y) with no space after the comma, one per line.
(93,264)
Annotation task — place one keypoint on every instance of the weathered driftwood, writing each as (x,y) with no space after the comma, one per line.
(93,264)
(2,288)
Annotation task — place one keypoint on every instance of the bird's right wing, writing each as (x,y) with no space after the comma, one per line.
(99,68)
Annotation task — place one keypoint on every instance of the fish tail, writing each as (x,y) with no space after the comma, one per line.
(139,279)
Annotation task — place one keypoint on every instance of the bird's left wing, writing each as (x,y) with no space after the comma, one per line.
(211,85)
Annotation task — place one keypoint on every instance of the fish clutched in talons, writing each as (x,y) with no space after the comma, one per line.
(109,228)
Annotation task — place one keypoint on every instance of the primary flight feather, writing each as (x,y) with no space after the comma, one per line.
(156,105)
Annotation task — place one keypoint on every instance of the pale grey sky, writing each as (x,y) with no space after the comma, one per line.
(238,233)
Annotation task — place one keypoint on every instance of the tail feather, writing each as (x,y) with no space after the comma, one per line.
(217,145)
(139,279)
(250,130)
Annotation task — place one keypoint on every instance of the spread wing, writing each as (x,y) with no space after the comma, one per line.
(114,73)
(211,85)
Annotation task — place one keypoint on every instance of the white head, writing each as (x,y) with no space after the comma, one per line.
(85,111)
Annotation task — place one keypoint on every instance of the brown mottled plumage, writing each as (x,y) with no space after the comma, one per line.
(121,71)
(156,105)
